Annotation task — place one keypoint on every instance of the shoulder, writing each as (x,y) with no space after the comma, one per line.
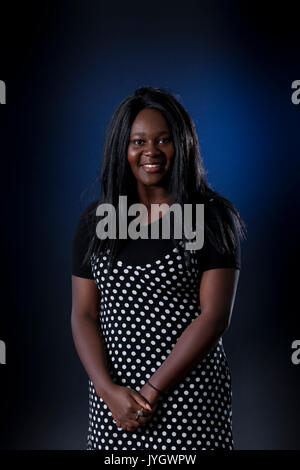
(221,235)
(222,223)
(86,222)
(88,214)
(82,238)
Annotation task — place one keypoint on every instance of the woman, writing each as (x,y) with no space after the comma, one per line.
(148,315)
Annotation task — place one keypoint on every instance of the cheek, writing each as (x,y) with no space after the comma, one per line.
(132,156)
(132,161)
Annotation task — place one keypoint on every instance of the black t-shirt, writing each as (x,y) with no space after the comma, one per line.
(143,251)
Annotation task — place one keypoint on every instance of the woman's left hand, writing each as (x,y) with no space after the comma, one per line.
(152,396)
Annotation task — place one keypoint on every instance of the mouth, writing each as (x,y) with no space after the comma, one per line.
(152,167)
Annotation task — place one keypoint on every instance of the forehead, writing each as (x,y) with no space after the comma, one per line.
(149,120)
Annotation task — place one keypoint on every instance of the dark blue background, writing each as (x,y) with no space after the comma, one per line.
(67,65)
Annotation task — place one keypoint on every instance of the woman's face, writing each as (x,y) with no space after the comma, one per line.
(150,143)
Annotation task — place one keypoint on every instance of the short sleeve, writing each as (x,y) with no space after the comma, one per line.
(211,258)
(80,243)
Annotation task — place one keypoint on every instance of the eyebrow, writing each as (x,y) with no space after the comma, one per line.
(144,133)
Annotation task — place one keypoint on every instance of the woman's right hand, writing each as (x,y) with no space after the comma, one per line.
(124,403)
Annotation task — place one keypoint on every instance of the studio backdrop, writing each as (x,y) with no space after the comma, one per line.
(64,68)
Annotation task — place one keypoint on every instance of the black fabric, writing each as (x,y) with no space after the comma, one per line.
(210,258)
(142,251)
(81,238)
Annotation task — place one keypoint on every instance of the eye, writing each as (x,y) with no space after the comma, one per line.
(165,139)
(162,139)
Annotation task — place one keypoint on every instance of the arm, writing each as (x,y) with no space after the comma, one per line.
(87,336)
(90,345)
(217,295)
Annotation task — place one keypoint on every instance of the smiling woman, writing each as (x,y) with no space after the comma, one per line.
(148,315)
(151,155)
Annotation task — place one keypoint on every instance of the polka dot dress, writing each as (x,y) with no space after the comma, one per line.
(143,311)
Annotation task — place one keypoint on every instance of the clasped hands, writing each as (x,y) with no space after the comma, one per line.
(125,402)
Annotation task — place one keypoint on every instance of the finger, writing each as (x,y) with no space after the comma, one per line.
(115,420)
(131,427)
(128,425)
(145,414)
(140,420)
(148,414)
(144,419)
(119,424)
(134,417)
(136,423)
(141,400)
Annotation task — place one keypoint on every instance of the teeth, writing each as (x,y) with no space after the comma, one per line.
(152,166)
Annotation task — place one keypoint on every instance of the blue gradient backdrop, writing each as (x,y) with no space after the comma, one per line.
(67,65)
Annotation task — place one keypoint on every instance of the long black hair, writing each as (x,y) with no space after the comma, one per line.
(187,179)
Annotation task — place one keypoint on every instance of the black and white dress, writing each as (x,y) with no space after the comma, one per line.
(147,302)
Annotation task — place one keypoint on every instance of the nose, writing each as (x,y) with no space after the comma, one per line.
(150,149)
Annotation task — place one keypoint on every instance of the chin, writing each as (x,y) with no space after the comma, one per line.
(150,181)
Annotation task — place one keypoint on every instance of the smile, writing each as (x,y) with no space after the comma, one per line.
(152,165)
(152,168)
